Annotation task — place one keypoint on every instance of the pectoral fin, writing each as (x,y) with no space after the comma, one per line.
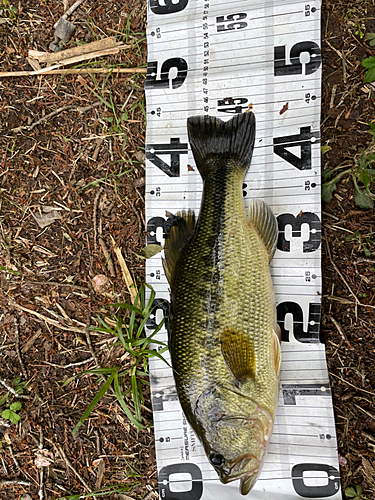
(277,349)
(182,226)
(265,223)
(239,354)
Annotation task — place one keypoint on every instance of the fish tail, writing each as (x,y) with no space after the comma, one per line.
(211,138)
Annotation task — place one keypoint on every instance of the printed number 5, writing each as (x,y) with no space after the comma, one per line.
(165,74)
(295,67)
(233,25)
(168,7)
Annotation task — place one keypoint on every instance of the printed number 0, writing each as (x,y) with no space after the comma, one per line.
(184,468)
(169,7)
(327,490)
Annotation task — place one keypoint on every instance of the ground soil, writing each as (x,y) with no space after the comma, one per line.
(89,168)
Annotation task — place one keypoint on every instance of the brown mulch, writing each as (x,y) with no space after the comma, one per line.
(90,170)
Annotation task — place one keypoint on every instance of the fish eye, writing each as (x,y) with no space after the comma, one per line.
(216,459)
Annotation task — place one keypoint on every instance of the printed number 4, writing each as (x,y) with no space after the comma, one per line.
(175,148)
(304,140)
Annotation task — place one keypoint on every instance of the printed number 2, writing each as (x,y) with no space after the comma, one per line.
(165,80)
(281,68)
(313,325)
(169,7)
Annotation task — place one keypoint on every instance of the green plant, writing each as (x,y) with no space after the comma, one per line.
(363,242)
(369,64)
(12,408)
(11,412)
(130,333)
(115,117)
(108,490)
(362,174)
(358,23)
(9,11)
(355,493)
(371,38)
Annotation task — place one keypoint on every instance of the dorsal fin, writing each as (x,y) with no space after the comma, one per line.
(182,226)
(265,223)
(238,353)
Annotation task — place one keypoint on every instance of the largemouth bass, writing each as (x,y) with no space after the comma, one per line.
(223,335)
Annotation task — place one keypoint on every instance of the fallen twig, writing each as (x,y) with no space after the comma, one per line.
(357,302)
(94,214)
(80,50)
(80,109)
(9,482)
(352,385)
(48,320)
(56,283)
(18,351)
(340,330)
(74,71)
(70,365)
(125,272)
(13,391)
(67,461)
(107,256)
(88,340)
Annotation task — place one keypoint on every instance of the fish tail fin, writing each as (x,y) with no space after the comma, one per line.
(211,138)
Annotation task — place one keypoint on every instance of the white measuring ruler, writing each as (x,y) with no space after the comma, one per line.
(221,58)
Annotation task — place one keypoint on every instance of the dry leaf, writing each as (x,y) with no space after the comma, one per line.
(44,458)
(149,251)
(47,217)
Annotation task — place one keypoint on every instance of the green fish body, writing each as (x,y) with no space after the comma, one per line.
(223,335)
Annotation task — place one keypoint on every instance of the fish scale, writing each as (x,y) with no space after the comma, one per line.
(222,328)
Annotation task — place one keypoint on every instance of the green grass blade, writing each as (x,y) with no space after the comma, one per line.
(124,406)
(104,388)
(134,386)
(123,305)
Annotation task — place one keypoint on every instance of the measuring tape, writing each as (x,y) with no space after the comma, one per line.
(222,58)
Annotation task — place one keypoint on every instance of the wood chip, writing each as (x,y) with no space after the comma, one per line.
(131,286)
(57,57)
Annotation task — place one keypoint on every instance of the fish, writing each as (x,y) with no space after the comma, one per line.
(223,336)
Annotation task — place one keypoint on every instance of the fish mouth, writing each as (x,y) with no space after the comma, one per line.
(247,483)
(247,469)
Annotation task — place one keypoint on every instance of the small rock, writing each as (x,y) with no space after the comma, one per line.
(140,156)
(137,183)
(100,283)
